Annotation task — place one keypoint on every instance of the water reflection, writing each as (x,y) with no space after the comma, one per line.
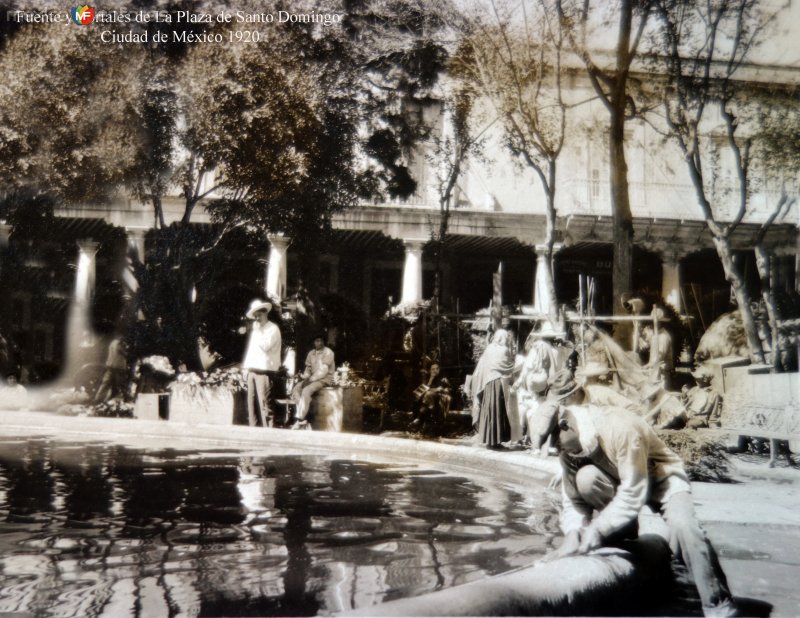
(106,530)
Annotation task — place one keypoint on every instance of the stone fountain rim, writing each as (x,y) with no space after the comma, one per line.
(512,466)
(524,591)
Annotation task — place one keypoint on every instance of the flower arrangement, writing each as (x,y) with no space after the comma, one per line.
(206,396)
(159,364)
(343,376)
(410,312)
(347,376)
(230,378)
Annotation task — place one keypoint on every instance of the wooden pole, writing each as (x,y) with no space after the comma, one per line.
(580,313)
(497,297)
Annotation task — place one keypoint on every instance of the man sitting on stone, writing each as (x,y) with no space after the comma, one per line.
(613,464)
(702,402)
(318,373)
(664,409)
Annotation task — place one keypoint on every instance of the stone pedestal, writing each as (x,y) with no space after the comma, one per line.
(336,408)
(671,281)
(151,406)
(202,405)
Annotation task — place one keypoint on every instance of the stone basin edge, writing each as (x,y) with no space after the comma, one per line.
(583,585)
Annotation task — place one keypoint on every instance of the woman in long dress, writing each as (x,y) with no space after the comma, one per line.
(489,396)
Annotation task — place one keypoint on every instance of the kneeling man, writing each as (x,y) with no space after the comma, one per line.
(317,374)
(613,463)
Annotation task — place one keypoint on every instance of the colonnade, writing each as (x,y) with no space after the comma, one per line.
(276,270)
(411,288)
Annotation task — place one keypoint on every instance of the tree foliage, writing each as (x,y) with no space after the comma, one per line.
(607,38)
(727,127)
(65,119)
(270,137)
(515,60)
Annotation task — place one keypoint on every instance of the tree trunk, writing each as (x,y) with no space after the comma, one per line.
(763,263)
(734,277)
(622,265)
(550,238)
(438,245)
(158,213)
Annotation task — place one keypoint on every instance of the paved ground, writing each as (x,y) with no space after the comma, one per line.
(754,522)
(755,525)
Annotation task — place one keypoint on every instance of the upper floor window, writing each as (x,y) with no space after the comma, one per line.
(595,183)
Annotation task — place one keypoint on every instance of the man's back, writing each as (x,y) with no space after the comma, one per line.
(619,430)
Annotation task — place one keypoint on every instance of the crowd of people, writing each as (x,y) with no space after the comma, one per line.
(508,387)
(602,425)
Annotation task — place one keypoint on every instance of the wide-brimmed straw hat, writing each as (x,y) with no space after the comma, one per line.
(256,306)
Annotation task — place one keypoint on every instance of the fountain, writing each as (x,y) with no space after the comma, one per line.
(234,501)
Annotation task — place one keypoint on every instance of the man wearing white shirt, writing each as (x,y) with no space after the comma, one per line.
(612,465)
(261,361)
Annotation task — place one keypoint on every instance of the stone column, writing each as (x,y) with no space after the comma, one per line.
(84,281)
(671,279)
(276,267)
(79,333)
(412,272)
(541,296)
(135,252)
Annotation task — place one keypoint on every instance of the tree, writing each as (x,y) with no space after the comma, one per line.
(716,117)
(587,24)
(65,120)
(777,153)
(277,139)
(516,60)
(396,54)
(458,140)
